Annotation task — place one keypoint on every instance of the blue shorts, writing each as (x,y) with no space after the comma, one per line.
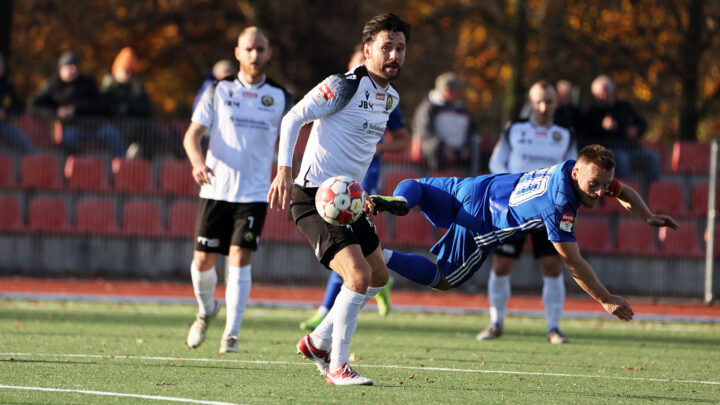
(447,203)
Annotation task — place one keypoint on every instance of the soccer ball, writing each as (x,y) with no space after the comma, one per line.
(340,200)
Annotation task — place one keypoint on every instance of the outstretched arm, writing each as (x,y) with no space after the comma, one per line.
(588,281)
(632,202)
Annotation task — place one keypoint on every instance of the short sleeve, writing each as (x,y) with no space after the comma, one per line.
(204,113)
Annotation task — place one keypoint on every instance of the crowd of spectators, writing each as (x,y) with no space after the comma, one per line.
(119,115)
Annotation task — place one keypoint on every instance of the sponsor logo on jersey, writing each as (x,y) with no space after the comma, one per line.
(380,96)
(267,101)
(389,102)
(212,243)
(323,94)
(540,133)
(249,94)
(556,136)
(567,221)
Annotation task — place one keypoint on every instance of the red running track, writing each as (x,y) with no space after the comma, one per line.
(436,301)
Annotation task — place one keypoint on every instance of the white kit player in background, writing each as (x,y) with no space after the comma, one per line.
(524,146)
(350,112)
(243,114)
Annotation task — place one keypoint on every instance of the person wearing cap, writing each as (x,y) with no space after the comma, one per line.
(11,106)
(444,125)
(73,100)
(127,100)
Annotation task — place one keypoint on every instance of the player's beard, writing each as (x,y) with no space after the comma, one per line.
(386,70)
(254,69)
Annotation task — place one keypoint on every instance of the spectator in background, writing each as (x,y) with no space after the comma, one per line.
(444,125)
(567,114)
(10,105)
(616,125)
(126,98)
(74,101)
(222,69)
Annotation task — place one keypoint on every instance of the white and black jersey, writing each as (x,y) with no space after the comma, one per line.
(244,122)
(525,146)
(350,113)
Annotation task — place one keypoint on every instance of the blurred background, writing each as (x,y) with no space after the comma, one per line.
(95,211)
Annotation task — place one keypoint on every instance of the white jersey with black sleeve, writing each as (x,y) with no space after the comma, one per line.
(244,122)
(350,112)
(525,146)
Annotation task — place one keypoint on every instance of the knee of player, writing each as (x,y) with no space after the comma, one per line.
(204,260)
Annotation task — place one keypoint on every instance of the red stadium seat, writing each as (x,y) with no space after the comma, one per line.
(413,230)
(38,130)
(142,218)
(181,221)
(279,228)
(86,173)
(176,178)
(96,216)
(691,157)
(699,199)
(7,171)
(391,178)
(132,175)
(382,228)
(40,170)
(636,238)
(681,243)
(10,218)
(661,148)
(593,235)
(48,214)
(666,197)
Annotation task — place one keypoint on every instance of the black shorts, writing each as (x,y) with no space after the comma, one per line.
(327,239)
(220,224)
(541,246)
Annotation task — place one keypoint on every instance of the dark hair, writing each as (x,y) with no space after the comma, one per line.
(599,155)
(385,22)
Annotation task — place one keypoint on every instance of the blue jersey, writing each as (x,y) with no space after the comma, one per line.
(370,182)
(483,212)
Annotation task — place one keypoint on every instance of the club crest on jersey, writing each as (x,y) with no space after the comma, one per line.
(267,101)
(389,102)
(249,236)
(556,136)
(567,221)
(323,94)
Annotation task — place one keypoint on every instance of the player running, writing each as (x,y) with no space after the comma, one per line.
(486,211)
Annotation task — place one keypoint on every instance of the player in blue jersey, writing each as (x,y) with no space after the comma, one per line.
(486,211)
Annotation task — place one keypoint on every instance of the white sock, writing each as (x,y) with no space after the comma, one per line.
(237,293)
(345,319)
(322,311)
(321,337)
(499,294)
(553,297)
(204,283)
(387,254)
(371,293)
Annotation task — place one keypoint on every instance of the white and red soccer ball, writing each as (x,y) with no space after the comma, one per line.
(340,200)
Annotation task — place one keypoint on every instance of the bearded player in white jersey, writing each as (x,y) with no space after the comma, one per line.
(524,146)
(244,115)
(350,112)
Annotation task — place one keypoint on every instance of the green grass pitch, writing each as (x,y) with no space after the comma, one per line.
(92,352)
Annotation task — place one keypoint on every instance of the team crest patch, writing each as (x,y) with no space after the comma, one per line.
(267,101)
(389,102)
(556,136)
(323,94)
(567,221)
(248,236)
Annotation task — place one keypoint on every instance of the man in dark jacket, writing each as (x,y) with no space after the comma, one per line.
(10,106)
(73,100)
(616,125)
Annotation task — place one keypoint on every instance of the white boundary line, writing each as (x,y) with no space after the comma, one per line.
(116,394)
(454,370)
